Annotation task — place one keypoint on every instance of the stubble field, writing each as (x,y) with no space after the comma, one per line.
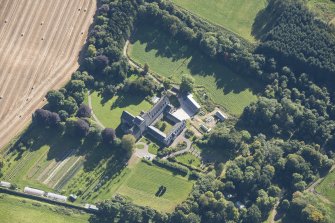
(40,42)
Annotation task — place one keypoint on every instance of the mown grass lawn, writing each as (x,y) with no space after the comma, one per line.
(189,159)
(235,15)
(139,183)
(20,210)
(170,58)
(327,186)
(144,181)
(110,111)
(153,148)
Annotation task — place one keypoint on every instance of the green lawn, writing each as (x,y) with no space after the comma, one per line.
(109,112)
(139,183)
(189,160)
(327,186)
(164,126)
(153,148)
(144,181)
(170,58)
(235,15)
(20,210)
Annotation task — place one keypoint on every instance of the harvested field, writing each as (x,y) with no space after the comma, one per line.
(40,43)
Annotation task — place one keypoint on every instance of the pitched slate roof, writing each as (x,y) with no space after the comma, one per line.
(138,120)
(127,117)
(158,134)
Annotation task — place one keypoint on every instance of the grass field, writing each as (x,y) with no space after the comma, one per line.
(327,186)
(189,160)
(20,210)
(144,181)
(170,58)
(235,15)
(139,183)
(109,112)
(325,9)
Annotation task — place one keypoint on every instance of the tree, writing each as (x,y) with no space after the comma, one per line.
(82,128)
(127,143)
(84,111)
(101,62)
(187,83)
(55,99)
(253,214)
(108,135)
(76,86)
(41,116)
(70,106)
(145,69)
(77,127)
(63,115)
(94,134)
(46,117)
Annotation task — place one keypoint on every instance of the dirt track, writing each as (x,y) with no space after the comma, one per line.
(40,41)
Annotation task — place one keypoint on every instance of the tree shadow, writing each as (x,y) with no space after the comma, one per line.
(125,100)
(61,146)
(196,62)
(265,20)
(211,154)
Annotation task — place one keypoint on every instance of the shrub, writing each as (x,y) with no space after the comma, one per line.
(168,151)
(189,133)
(172,166)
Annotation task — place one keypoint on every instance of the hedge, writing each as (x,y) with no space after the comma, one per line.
(172,166)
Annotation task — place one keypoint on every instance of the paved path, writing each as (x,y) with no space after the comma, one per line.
(130,61)
(188,149)
(93,115)
(141,153)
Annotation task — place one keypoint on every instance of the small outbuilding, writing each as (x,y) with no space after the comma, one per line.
(91,207)
(205,128)
(5,184)
(192,104)
(33,191)
(219,115)
(56,197)
(73,197)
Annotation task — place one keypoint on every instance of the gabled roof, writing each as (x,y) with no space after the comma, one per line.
(220,115)
(127,117)
(158,134)
(138,120)
(193,102)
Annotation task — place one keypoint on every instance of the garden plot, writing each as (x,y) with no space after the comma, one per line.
(34,168)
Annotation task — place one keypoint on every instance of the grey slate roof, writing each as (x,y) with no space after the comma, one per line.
(158,134)
(138,120)
(127,117)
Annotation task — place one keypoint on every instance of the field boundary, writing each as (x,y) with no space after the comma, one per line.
(46,200)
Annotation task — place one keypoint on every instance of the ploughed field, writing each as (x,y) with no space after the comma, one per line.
(40,42)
